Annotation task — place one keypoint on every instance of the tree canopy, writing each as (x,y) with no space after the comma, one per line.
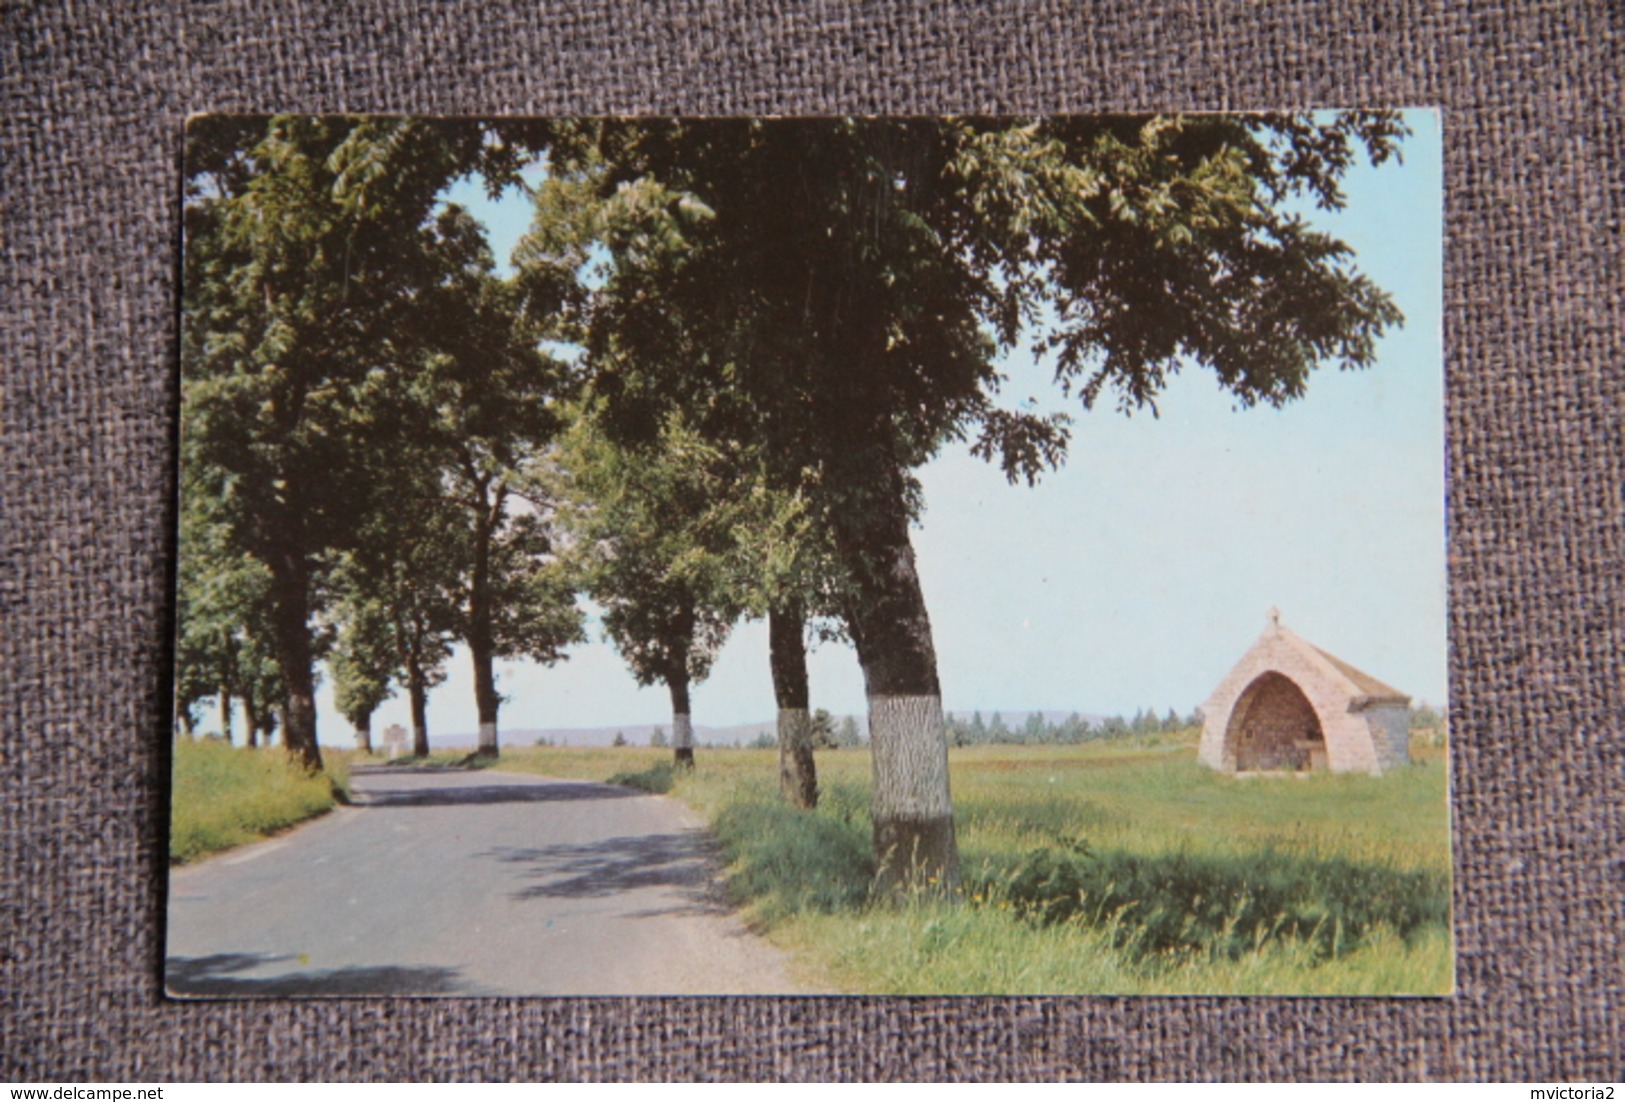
(834,295)
(312,251)
(653,544)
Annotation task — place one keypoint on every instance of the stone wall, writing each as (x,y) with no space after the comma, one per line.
(1390,727)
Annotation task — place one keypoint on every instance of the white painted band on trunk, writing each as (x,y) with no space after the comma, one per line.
(682,731)
(488,736)
(909,743)
(794,723)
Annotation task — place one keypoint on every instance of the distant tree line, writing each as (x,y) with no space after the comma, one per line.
(1033,730)
(1036,730)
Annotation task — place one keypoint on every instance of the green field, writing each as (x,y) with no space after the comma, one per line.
(225,796)
(1121,867)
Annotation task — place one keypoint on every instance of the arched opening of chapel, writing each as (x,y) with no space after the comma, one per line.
(1274,727)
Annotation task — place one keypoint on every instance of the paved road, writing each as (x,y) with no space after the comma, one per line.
(469,883)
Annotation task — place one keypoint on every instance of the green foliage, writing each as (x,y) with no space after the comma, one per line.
(858,343)
(1177,905)
(450,553)
(401,577)
(1037,730)
(365,656)
(305,247)
(997,732)
(224,640)
(1428,725)
(823,730)
(652,544)
(482,410)
(846,734)
(787,861)
(224,796)
(656,779)
(313,264)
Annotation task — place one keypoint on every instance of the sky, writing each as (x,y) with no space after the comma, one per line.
(1137,574)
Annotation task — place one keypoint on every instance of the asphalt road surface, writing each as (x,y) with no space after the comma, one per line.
(469,883)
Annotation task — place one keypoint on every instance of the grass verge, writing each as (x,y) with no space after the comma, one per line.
(225,796)
(1100,869)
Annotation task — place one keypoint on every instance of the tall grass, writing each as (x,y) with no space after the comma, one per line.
(224,796)
(1104,868)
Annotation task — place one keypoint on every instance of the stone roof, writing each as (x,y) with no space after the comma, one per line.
(1369,686)
(1272,650)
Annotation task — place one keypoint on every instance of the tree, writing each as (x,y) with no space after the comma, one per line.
(1074,730)
(846,734)
(997,732)
(304,258)
(363,662)
(483,403)
(834,293)
(405,566)
(976,734)
(1035,730)
(803,588)
(782,567)
(652,539)
(206,619)
(416,574)
(823,730)
(657,739)
(223,617)
(800,581)
(259,687)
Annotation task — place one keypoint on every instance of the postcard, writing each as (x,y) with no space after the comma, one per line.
(777,556)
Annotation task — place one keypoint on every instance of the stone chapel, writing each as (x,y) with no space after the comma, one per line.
(1289,706)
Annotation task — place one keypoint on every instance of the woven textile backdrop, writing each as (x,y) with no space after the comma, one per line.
(93,98)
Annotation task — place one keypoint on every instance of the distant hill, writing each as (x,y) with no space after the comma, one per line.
(636,734)
(741,734)
(1015,717)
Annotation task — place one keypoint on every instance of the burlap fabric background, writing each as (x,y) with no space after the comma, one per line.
(93,95)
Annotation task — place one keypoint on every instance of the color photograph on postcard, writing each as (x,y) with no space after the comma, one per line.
(970,555)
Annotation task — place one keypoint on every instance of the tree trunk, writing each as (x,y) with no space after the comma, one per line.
(363,732)
(915,849)
(417,689)
(251,719)
(486,701)
(290,572)
(682,728)
(787,654)
(225,714)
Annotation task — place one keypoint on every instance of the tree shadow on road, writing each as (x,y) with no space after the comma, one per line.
(682,863)
(218,976)
(458,795)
